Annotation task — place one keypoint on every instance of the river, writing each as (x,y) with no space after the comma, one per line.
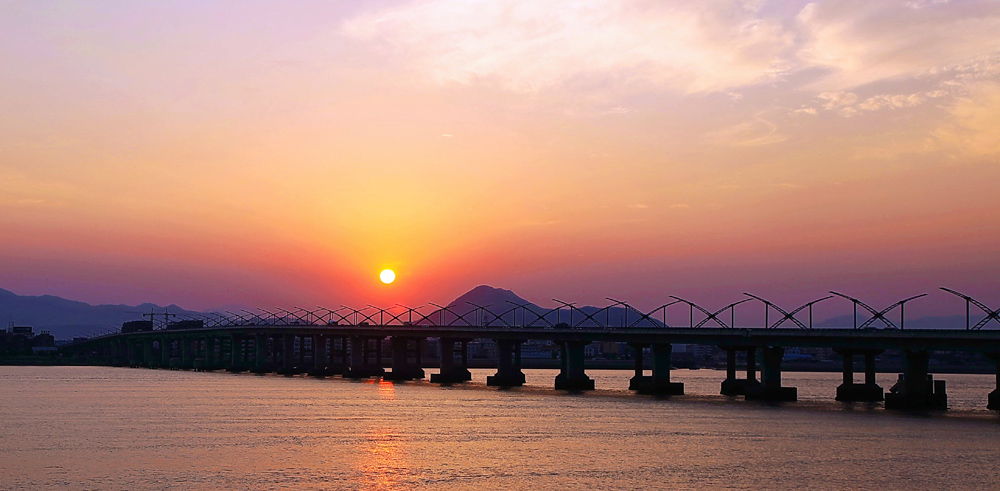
(134,429)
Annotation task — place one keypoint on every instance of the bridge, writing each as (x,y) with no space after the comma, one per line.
(349,342)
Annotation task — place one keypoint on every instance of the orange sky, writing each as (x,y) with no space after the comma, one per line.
(275,153)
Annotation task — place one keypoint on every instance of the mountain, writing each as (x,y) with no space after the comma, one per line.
(66,319)
(505,304)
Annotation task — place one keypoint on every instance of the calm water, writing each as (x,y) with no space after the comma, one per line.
(120,428)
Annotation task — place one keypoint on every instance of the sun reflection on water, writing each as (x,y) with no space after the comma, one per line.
(382,464)
(386,390)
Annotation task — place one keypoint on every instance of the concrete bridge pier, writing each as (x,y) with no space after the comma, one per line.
(916,389)
(133,353)
(362,364)
(451,373)
(661,384)
(147,353)
(320,356)
(770,388)
(849,391)
(204,360)
(994,398)
(343,365)
(198,362)
(165,349)
(572,375)
(119,353)
(733,386)
(640,379)
(260,354)
(186,352)
(290,364)
(174,348)
(237,357)
(509,372)
(402,369)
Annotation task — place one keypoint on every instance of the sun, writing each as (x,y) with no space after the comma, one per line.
(387,276)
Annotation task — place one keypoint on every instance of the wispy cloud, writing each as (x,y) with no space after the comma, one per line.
(860,42)
(755,132)
(688,47)
(531,46)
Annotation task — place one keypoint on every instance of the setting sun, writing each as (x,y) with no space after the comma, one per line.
(387,276)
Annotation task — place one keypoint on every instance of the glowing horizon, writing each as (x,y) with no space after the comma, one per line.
(270,153)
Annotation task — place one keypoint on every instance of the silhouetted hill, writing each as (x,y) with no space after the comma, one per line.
(65,319)
(502,303)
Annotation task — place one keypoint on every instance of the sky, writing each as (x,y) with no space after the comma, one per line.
(284,153)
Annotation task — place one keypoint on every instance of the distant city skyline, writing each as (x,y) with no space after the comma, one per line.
(269,153)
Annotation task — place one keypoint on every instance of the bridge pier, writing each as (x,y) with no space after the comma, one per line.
(640,379)
(338,367)
(993,401)
(186,360)
(206,362)
(133,353)
(290,364)
(321,356)
(451,373)
(659,383)
(119,352)
(770,388)
(237,354)
(572,375)
(733,386)
(509,372)
(164,351)
(402,369)
(147,353)
(849,391)
(361,364)
(916,389)
(261,363)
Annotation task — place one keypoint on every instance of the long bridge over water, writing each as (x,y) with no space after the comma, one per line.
(349,342)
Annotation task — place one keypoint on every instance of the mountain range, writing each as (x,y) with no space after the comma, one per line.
(66,319)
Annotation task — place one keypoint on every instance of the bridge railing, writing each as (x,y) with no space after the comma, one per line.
(617,314)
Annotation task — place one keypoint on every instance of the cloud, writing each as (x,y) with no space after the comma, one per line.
(859,42)
(846,103)
(899,100)
(688,47)
(531,46)
(974,126)
(838,99)
(755,132)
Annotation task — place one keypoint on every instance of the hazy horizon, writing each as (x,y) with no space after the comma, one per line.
(272,153)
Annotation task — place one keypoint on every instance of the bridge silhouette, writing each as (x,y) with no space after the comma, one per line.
(349,342)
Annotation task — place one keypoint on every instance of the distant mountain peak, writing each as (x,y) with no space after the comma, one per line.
(488,295)
(69,318)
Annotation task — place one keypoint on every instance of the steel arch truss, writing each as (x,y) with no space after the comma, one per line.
(712,316)
(878,314)
(990,313)
(785,315)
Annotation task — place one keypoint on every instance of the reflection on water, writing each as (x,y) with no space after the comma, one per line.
(386,389)
(382,461)
(120,428)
